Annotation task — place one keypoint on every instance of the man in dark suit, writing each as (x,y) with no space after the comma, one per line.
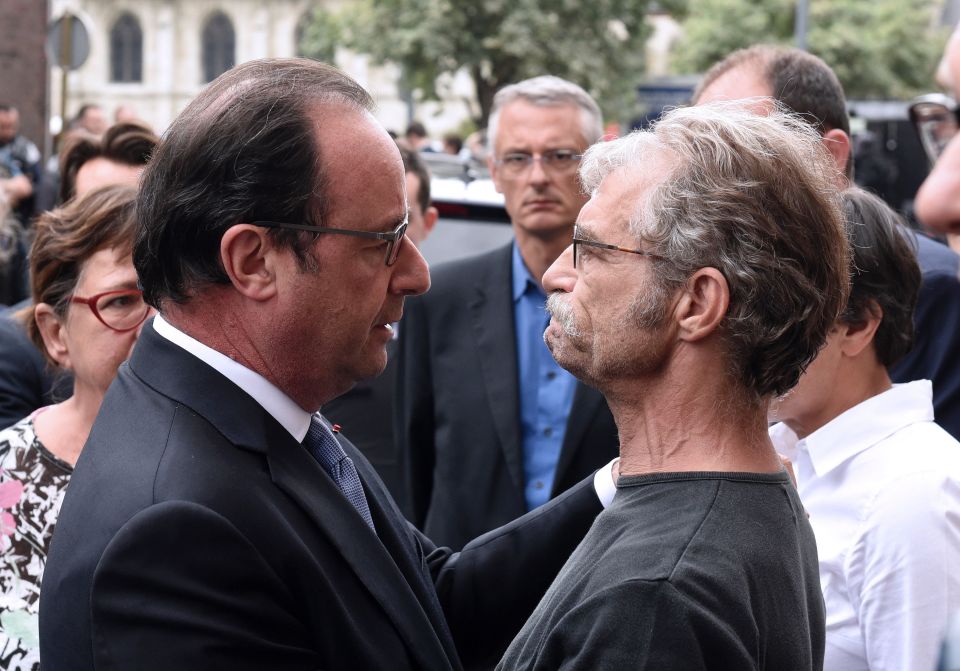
(808,86)
(366,412)
(214,520)
(491,426)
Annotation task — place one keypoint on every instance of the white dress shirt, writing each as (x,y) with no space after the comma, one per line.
(881,483)
(282,408)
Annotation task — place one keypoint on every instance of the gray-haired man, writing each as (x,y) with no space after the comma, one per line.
(704,274)
(491,426)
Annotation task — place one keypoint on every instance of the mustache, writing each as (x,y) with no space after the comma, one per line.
(561,311)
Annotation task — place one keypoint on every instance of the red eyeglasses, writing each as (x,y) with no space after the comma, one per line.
(121,311)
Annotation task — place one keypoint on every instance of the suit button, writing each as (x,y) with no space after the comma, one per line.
(551,374)
(548,431)
(538,484)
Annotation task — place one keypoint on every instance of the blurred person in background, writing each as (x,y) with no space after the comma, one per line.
(27,381)
(452,144)
(116,157)
(491,426)
(91,118)
(879,479)
(19,164)
(416,137)
(88,313)
(810,88)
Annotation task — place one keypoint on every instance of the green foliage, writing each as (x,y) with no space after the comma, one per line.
(598,44)
(878,48)
(320,34)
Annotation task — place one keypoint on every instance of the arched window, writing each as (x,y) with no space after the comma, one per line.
(126,50)
(218,46)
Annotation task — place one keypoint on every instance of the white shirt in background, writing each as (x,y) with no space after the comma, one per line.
(881,483)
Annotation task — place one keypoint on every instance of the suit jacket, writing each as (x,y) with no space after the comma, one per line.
(460,421)
(366,414)
(26,381)
(936,350)
(196,533)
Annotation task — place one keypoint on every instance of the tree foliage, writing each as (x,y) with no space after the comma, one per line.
(878,48)
(598,44)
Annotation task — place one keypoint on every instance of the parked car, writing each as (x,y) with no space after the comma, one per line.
(472,216)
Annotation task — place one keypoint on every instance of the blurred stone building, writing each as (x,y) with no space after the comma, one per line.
(154,56)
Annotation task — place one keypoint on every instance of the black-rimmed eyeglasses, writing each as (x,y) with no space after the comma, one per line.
(394,238)
(935,118)
(577,240)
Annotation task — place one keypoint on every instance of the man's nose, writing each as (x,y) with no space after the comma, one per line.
(561,275)
(411,275)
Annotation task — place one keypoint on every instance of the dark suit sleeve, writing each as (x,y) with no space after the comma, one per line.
(218,606)
(937,319)
(414,419)
(24,380)
(489,589)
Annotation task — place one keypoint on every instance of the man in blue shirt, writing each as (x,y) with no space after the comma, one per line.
(490,426)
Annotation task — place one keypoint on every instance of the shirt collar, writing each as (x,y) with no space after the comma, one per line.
(281,407)
(860,427)
(523,281)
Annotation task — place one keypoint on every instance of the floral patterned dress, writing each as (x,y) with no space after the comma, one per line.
(32,485)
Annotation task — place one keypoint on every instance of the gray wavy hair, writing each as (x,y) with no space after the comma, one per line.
(754,197)
(547,91)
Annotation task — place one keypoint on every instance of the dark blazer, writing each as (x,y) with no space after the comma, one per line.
(198,534)
(936,350)
(366,414)
(460,421)
(26,381)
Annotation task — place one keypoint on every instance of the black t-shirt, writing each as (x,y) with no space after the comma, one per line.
(685,571)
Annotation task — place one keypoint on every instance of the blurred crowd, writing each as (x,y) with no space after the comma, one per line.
(702,412)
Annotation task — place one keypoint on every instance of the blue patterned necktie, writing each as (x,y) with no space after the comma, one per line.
(328,453)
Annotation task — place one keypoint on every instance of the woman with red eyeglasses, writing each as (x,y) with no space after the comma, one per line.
(86,317)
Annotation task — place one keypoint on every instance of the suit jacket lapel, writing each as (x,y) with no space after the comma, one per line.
(295,471)
(248,426)
(586,403)
(491,310)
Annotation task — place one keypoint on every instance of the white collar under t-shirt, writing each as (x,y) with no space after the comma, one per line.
(281,407)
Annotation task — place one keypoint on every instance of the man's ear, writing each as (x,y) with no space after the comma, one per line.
(430,217)
(51,330)
(250,259)
(838,144)
(857,337)
(702,305)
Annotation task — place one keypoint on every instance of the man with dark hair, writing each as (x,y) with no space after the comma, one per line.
(809,87)
(705,272)
(215,519)
(524,430)
(366,412)
(416,137)
(116,157)
(880,480)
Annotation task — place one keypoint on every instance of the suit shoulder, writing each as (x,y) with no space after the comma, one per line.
(936,258)
(452,278)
